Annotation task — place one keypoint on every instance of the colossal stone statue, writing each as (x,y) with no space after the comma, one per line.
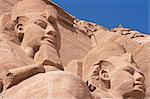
(36,25)
(32,29)
(13,60)
(110,73)
(29,45)
(115,63)
(117,77)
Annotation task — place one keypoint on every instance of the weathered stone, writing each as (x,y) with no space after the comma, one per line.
(108,50)
(1,85)
(75,66)
(39,42)
(52,85)
(105,76)
(15,76)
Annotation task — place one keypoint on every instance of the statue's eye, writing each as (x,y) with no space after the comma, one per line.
(129,70)
(41,23)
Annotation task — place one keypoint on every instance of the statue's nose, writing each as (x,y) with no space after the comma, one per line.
(139,77)
(52,33)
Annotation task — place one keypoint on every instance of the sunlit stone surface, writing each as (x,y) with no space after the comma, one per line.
(46,53)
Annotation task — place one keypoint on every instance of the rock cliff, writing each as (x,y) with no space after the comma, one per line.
(46,53)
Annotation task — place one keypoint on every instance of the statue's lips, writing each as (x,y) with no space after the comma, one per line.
(138,86)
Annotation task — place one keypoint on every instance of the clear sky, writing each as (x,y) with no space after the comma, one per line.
(133,14)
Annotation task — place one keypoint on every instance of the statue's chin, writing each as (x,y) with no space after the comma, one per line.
(136,93)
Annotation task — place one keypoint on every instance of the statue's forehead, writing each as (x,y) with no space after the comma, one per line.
(27,6)
(30,17)
(116,63)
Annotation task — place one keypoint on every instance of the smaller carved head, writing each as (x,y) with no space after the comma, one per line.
(119,76)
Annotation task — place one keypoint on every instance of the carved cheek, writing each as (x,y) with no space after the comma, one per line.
(122,81)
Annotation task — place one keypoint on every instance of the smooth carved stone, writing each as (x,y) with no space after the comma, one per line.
(101,37)
(11,56)
(48,56)
(38,36)
(117,78)
(4,18)
(52,85)
(142,59)
(75,66)
(130,45)
(108,50)
(15,76)
(27,6)
(6,5)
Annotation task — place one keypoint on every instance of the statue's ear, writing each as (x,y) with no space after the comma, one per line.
(127,57)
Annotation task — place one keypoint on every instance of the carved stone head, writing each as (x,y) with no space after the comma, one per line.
(35,24)
(119,77)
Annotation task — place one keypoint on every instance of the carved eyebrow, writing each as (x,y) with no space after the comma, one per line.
(129,69)
(103,71)
(99,62)
(142,74)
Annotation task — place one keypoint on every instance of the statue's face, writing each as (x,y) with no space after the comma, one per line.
(24,22)
(122,78)
(125,78)
(34,21)
(43,16)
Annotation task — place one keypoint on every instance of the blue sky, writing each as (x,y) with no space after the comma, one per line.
(109,13)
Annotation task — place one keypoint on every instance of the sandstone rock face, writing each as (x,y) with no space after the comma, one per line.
(46,53)
(6,5)
(52,85)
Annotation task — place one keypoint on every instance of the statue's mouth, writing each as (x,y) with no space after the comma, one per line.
(138,86)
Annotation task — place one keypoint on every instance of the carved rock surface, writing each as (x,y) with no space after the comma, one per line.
(52,85)
(40,43)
